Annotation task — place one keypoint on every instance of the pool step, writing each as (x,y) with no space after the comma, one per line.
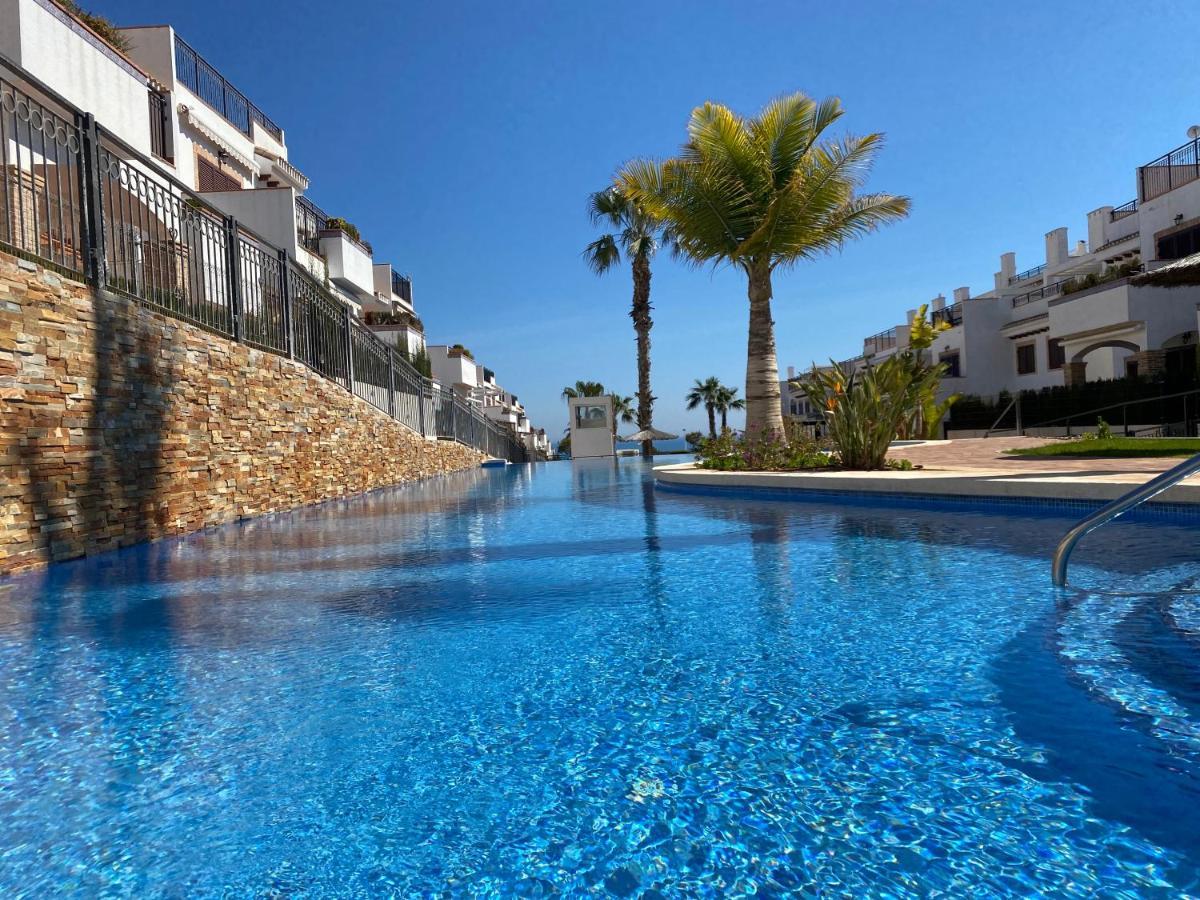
(1108,643)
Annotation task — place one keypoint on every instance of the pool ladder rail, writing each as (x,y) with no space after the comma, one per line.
(1110,511)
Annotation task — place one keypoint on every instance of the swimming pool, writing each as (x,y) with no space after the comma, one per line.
(556,678)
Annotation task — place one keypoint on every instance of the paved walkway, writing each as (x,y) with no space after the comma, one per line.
(988,454)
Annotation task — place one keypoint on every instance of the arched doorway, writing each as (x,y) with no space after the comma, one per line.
(1076,369)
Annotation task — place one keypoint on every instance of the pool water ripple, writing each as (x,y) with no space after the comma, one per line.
(556,680)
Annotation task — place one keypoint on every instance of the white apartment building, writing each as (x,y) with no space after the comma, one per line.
(455,367)
(168,103)
(1076,316)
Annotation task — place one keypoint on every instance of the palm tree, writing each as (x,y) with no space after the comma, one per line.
(622,410)
(583,389)
(639,235)
(728,399)
(761,194)
(706,393)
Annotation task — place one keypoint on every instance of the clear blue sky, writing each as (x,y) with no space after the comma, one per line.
(463,139)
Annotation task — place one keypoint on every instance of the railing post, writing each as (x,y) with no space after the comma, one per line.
(91,212)
(1020,429)
(391,382)
(421,385)
(285,293)
(233,266)
(349,351)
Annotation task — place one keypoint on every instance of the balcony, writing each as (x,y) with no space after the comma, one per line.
(1125,209)
(349,262)
(1049,290)
(210,86)
(1027,274)
(402,287)
(951,315)
(877,343)
(1179,167)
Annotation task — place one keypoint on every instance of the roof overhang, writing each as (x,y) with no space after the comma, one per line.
(1180,273)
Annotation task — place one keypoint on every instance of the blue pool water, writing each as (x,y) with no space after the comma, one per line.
(557,679)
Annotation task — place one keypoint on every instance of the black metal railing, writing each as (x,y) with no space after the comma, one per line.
(311,220)
(1125,209)
(402,286)
(951,315)
(82,200)
(1028,273)
(41,185)
(1048,290)
(885,340)
(1171,170)
(209,85)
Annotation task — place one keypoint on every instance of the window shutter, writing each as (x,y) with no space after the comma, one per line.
(210,178)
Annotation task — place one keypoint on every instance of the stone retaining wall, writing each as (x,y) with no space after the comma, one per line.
(119,425)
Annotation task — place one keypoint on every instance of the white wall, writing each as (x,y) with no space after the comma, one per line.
(55,48)
(268,212)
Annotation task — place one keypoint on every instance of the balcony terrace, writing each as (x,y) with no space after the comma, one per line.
(951,315)
(1171,170)
(1027,274)
(209,85)
(1125,209)
(1049,290)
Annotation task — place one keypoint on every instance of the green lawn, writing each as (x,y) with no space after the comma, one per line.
(1117,446)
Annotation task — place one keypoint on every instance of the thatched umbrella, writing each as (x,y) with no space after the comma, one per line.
(1181,273)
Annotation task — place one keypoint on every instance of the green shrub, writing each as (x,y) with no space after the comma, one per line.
(866,410)
(729,452)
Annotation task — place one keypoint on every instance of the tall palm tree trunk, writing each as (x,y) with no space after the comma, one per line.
(763,413)
(641,324)
(712,419)
(724,421)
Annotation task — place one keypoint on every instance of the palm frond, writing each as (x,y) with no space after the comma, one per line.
(602,254)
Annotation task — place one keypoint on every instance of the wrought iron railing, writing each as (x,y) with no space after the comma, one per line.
(951,315)
(80,199)
(209,85)
(1125,209)
(1171,170)
(885,340)
(310,222)
(1028,273)
(1048,290)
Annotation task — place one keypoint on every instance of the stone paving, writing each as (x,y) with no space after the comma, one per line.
(988,454)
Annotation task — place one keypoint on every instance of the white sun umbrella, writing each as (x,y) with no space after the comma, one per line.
(650,434)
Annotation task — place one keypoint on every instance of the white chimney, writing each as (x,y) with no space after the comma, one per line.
(1097,219)
(791,372)
(938,302)
(1008,265)
(1080,248)
(1056,247)
(910,315)
(961,294)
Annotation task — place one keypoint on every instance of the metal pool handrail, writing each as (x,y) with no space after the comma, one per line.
(1110,511)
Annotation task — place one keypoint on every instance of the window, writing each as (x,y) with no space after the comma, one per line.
(160,125)
(1180,244)
(211,178)
(1058,356)
(1026,359)
(591,417)
(952,364)
(1131,368)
